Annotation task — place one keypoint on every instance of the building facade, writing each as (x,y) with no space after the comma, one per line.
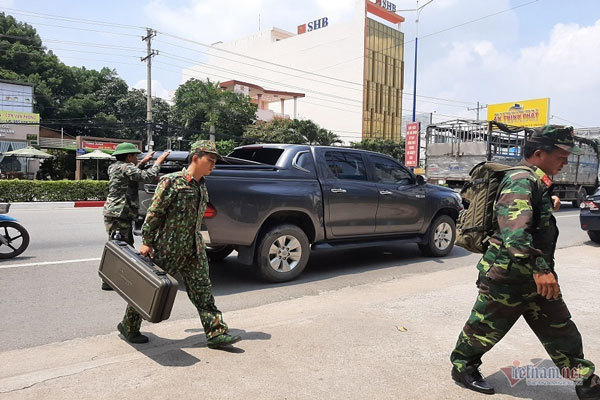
(19,126)
(351,71)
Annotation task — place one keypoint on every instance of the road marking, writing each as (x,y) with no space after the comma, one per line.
(49,263)
(567,216)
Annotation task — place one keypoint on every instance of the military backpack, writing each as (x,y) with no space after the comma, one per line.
(476,223)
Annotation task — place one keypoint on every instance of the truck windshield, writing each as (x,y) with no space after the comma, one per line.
(259,154)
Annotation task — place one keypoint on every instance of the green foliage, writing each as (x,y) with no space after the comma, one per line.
(25,190)
(281,130)
(225,147)
(62,166)
(202,104)
(388,147)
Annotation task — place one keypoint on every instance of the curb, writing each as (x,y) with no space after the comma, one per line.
(46,205)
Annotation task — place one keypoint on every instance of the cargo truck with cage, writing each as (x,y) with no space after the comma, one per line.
(453,148)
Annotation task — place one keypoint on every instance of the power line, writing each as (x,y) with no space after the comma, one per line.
(69,19)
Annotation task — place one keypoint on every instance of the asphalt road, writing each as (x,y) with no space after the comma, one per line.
(52,292)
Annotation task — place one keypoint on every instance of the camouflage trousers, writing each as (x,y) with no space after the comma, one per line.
(195,273)
(497,309)
(123,226)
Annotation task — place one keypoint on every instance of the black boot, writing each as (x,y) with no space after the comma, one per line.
(589,389)
(472,380)
(132,337)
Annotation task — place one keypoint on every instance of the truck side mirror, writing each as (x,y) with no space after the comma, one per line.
(421,180)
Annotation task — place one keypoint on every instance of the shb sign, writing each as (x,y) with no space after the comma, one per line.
(411,150)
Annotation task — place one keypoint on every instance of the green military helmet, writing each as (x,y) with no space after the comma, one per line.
(206,146)
(560,136)
(126,148)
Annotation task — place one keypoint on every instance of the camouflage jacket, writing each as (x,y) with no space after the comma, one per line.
(123,200)
(525,239)
(174,219)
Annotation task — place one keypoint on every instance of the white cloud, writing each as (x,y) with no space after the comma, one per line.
(564,67)
(158,90)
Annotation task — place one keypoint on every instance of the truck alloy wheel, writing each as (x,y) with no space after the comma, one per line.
(440,237)
(282,253)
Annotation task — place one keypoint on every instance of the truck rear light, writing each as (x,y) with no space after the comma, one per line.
(589,205)
(210,212)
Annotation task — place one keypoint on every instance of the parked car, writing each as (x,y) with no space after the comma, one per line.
(274,204)
(590,216)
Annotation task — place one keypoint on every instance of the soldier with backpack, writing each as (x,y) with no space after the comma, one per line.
(516,273)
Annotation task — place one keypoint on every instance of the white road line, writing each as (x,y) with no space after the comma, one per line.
(49,263)
(567,216)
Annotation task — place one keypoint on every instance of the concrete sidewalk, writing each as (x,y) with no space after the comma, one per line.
(389,340)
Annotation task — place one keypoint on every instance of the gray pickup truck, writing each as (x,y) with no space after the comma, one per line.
(276,203)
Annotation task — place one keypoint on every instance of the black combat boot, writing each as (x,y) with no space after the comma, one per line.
(132,337)
(589,389)
(472,380)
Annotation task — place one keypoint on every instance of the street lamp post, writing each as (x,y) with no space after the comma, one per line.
(418,10)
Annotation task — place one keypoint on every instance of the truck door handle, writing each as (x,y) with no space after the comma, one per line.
(339,190)
(385,192)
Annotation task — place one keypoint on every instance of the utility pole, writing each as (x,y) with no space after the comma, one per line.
(150,33)
(477,108)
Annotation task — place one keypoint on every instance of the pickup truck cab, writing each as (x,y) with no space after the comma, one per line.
(275,203)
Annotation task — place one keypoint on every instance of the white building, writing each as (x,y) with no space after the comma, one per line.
(350,72)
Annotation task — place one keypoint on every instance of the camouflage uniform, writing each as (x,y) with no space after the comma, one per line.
(523,244)
(121,207)
(172,229)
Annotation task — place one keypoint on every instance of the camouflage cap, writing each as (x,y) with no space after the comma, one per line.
(560,136)
(206,146)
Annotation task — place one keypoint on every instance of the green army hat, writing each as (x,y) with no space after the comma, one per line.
(126,148)
(560,136)
(206,146)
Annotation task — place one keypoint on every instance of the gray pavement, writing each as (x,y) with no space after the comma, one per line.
(386,339)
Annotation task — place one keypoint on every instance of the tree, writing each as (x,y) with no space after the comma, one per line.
(281,130)
(391,148)
(202,104)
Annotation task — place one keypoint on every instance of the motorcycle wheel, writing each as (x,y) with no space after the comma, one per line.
(16,238)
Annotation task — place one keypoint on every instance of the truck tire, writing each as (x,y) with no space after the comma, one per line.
(440,237)
(594,236)
(218,253)
(282,253)
(581,195)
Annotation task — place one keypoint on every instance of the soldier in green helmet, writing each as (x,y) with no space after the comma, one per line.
(171,236)
(122,202)
(517,273)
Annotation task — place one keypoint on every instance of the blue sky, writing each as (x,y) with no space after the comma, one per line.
(549,48)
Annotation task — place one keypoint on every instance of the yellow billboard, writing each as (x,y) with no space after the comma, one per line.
(16,117)
(530,113)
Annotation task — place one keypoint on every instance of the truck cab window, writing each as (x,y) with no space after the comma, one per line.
(390,172)
(346,165)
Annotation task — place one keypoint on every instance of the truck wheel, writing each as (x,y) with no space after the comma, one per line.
(282,253)
(581,195)
(218,253)
(440,237)
(594,236)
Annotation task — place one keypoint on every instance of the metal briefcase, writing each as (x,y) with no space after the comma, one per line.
(146,287)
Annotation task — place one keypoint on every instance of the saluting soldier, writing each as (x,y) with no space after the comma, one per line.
(122,202)
(171,236)
(517,275)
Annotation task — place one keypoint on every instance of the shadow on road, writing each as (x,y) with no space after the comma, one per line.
(171,353)
(230,277)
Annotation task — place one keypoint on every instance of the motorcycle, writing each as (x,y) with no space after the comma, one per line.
(14,238)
